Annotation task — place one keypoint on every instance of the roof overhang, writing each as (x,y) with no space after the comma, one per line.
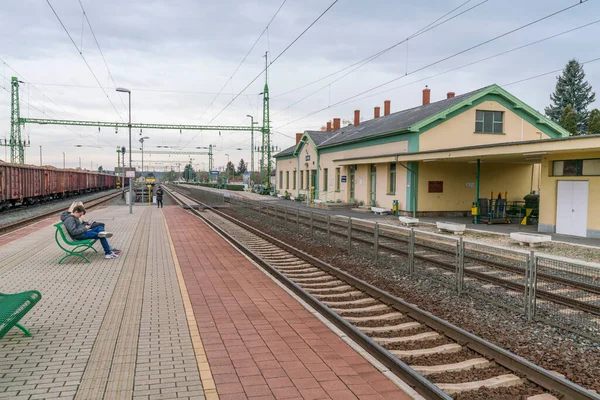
(529,152)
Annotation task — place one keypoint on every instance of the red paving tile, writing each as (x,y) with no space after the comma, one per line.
(21,233)
(260,342)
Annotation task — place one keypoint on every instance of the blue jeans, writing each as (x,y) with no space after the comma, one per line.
(93,234)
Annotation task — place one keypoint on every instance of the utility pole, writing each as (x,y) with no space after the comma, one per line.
(210,158)
(64,165)
(266,130)
(41,155)
(118,168)
(17,152)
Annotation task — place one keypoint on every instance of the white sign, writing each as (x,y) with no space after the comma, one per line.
(470,184)
(130,174)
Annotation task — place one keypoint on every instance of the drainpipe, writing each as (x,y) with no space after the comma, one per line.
(477,176)
(412,189)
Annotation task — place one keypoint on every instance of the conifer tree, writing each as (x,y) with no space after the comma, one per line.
(568,120)
(594,123)
(572,88)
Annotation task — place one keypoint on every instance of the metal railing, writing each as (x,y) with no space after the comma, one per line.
(564,293)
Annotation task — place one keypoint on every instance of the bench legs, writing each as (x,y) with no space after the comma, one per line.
(21,327)
(75,255)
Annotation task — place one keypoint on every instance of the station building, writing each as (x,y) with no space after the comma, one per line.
(438,158)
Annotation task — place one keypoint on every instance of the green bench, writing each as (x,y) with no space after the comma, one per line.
(13,307)
(72,247)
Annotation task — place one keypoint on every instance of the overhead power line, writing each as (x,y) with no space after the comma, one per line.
(372,57)
(84,60)
(549,72)
(439,61)
(245,57)
(100,50)
(268,65)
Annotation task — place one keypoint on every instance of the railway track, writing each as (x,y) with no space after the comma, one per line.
(569,289)
(410,342)
(27,221)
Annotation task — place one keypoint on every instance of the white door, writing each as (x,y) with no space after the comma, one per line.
(571,210)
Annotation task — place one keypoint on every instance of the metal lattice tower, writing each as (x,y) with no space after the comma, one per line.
(17,150)
(265,160)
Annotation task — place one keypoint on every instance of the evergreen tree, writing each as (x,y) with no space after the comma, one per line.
(188,173)
(230,169)
(568,120)
(594,124)
(242,168)
(572,88)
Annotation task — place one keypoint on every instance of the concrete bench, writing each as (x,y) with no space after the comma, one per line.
(457,229)
(381,210)
(13,307)
(532,239)
(408,221)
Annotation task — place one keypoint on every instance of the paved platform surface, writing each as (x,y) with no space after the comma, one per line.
(260,342)
(108,329)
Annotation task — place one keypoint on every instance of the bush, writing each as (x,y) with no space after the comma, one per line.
(237,188)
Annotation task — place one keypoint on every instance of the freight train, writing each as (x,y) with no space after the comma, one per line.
(28,184)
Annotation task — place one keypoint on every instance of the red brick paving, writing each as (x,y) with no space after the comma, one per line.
(260,342)
(22,232)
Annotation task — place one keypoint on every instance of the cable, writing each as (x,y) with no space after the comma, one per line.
(84,60)
(268,65)
(99,49)
(244,59)
(439,61)
(381,52)
(548,73)
(367,60)
(137,89)
(480,60)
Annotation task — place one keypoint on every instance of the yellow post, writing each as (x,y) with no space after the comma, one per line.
(149,194)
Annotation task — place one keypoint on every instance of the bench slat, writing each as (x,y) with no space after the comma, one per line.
(13,307)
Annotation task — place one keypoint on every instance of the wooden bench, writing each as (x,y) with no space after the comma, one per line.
(13,307)
(70,246)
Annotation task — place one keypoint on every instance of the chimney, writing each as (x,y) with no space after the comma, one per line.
(298,137)
(450,95)
(356,117)
(336,124)
(426,95)
(328,126)
(377,111)
(386,107)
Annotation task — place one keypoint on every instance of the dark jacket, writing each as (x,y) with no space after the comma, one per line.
(75,228)
(159,194)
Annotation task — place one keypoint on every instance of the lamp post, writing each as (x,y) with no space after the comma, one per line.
(123,90)
(64,160)
(251,142)
(227,167)
(79,162)
(40,155)
(142,142)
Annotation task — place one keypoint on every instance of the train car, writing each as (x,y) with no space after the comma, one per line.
(28,184)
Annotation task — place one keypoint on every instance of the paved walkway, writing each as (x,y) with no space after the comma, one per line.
(109,329)
(260,342)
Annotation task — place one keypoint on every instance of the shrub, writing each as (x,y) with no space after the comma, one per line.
(237,188)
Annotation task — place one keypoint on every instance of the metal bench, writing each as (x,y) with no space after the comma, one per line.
(13,307)
(77,247)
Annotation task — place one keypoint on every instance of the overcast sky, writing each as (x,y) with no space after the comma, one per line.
(176,55)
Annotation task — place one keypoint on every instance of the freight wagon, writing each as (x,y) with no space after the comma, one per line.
(28,184)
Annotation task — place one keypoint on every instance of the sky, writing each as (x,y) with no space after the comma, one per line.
(180,60)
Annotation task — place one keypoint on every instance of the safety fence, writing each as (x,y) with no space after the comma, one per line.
(565,293)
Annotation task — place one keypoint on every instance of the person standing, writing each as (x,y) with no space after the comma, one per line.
(159,196)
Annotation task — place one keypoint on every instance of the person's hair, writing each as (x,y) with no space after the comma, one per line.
(79,209)
(74,204)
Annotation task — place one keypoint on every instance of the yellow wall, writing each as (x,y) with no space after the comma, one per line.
(515,179)
(459,131)
(549,185)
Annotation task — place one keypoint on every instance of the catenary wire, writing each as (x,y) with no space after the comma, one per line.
(84,60)
(438,61)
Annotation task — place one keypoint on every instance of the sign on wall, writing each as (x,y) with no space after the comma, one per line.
(307,157)
(436,186)
(343,178)
(470,184)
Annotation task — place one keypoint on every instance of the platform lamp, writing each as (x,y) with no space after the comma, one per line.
(142,142)
(123,90)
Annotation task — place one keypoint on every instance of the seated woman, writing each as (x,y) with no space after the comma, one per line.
(80,231)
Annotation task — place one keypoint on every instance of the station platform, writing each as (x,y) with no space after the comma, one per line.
(180,315)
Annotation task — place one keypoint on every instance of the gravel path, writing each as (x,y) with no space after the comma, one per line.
(13,215)
(552,348)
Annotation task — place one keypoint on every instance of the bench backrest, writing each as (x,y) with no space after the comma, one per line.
(61,230)
(14,306)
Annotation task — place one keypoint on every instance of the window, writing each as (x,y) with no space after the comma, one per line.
(488,121)
(294,181)
(280,179)
(301,179)
(325,180)
(589,167)
(392,179)
(287,179)
(337,179)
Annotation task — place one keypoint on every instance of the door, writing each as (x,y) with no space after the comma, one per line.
(373,182)
(571,208)
(352,183)
(313,182)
